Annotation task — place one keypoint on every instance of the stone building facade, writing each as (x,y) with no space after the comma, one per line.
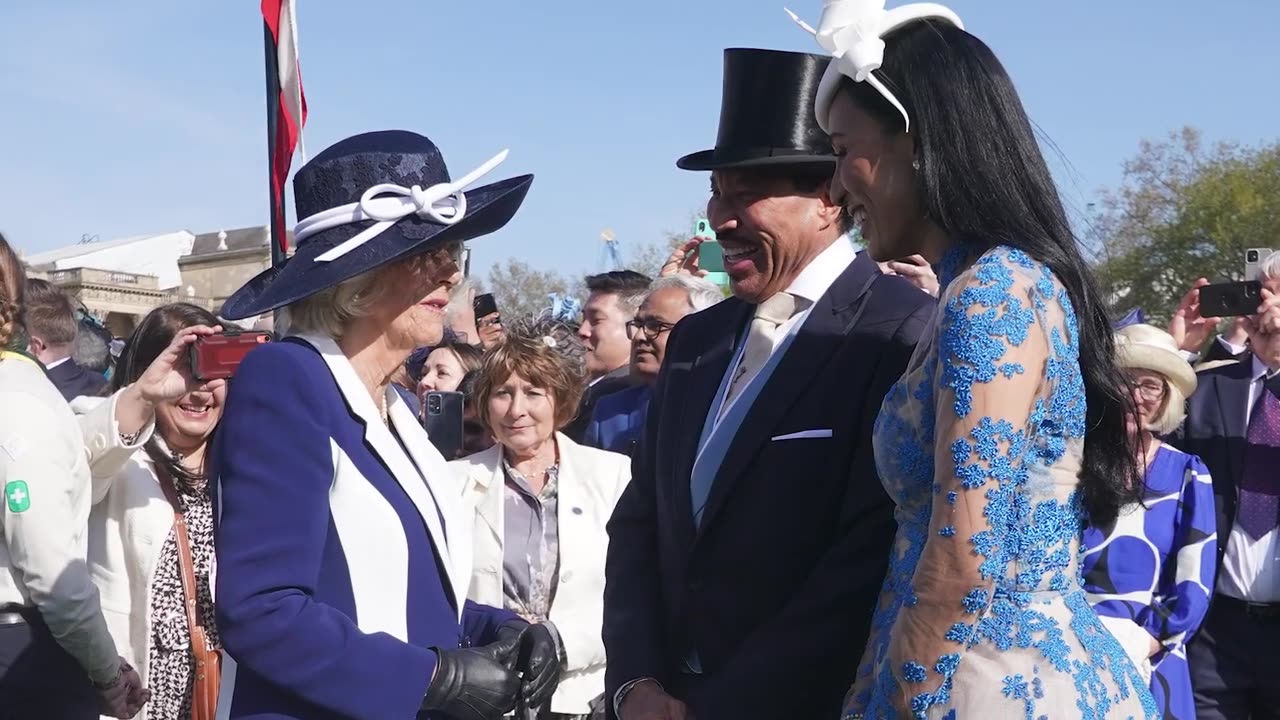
(119,282)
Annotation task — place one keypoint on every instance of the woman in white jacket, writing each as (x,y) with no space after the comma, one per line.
(133,551)
(541,502)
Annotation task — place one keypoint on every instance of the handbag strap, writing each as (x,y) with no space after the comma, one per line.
(186,565)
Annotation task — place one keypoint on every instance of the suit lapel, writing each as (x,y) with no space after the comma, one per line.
(569,495)
(439,491)
(699,394)
(817,339)
(413,477)
(1233,389)
(486,473)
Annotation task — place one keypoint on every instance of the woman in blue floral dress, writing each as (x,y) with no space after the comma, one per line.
(982,443)
(1149,574)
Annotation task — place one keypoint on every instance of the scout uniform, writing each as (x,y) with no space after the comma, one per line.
(53,639)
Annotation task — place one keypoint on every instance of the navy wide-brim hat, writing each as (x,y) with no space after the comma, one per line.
(348,225)
(766,113)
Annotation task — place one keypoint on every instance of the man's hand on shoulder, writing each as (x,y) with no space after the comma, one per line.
(648,701)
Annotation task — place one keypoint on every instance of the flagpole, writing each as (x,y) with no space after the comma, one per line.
(276,223)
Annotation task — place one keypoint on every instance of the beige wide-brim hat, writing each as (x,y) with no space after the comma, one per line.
(1143,347)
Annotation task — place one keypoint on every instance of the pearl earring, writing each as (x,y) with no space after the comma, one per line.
(915,164)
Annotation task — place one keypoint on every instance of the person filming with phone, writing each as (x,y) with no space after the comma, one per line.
(1233,424)
(151,527)
(1198,316)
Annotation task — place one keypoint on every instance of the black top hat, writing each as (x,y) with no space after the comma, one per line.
(368,201)
(766,112)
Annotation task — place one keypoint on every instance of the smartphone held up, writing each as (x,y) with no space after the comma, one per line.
(1237,299)
(442,419)
(710,254)
(216,356)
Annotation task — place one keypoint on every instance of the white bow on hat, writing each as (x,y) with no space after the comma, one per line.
(853,32)
(388,203)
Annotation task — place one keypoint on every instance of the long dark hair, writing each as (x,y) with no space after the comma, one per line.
(145,343)
(984,181)
(13,283)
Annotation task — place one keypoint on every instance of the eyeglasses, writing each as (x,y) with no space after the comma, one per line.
(1150,390)
(652,328)
(495,320)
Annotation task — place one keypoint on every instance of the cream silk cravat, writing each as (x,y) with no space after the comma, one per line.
(769,315)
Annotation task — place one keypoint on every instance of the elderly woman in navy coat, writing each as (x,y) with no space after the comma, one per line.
(343,556)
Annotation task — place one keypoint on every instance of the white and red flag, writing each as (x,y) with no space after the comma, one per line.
(286,107)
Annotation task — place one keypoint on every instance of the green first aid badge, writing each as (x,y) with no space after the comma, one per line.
(17,496)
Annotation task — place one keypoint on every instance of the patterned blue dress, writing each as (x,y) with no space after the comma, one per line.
(982,614)
(1153,571)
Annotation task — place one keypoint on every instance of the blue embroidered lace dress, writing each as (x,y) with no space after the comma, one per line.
(982,614)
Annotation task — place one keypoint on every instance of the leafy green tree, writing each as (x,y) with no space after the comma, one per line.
(522,290)
(1184,211)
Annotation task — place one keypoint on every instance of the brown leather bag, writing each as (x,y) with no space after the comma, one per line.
(208,661)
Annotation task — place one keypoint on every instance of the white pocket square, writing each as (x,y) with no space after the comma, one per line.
(804,435)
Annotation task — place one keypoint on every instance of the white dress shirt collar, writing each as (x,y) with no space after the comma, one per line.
(56,363)
(1260,370)
(820,274)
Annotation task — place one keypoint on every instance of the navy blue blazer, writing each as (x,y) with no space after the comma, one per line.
(775,588)
(74,381)
(1215,430)
(618,419)
(343,553)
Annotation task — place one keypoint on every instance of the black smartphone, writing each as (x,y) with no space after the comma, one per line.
(1230,299)
(442,419)
(485,305)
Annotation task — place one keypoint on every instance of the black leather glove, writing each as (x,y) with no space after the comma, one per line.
(538,661)
(470,684)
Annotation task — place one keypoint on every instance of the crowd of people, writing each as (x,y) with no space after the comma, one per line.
(907,468)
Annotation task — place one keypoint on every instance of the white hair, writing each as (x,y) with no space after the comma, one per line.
(458,301)
(329,311)
(701,293)
(1270,267)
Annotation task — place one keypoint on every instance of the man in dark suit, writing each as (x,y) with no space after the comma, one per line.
(1233,424)
(612,300)
(52,327)
(619,418)
(747,554)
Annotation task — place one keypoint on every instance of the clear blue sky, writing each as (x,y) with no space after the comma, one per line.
(139,116)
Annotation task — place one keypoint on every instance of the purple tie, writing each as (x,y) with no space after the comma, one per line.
(1259,510)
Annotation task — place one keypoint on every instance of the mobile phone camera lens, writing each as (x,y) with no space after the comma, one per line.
(1251,256)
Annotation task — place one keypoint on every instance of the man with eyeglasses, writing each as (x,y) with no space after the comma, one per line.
(618,418)
(612,300)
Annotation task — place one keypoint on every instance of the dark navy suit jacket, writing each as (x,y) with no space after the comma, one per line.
(337,569)
(774,590)
(74,381)
(618,419)
(1215,430)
